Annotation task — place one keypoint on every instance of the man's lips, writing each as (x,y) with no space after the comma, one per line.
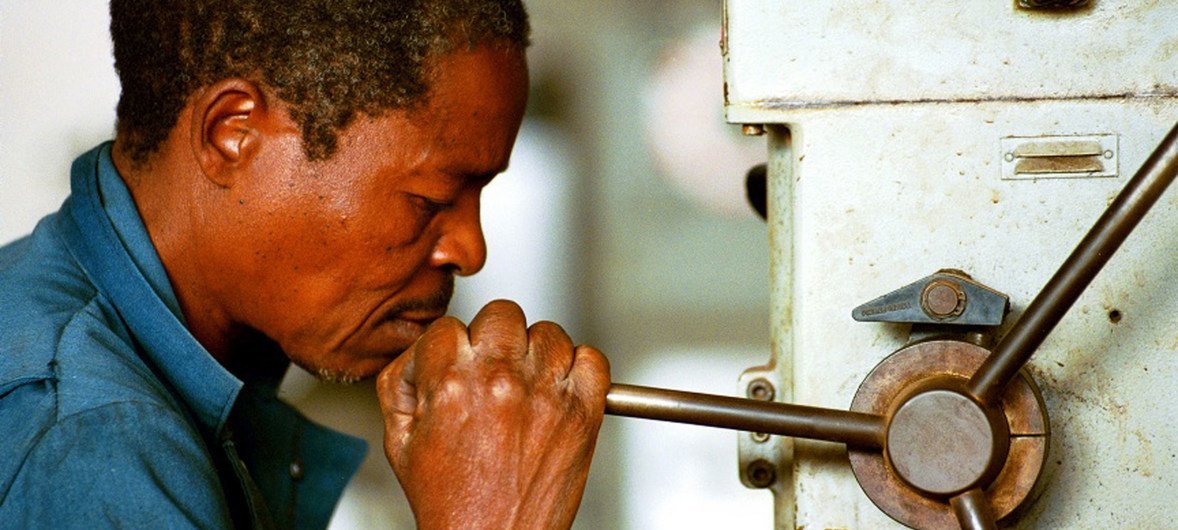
(420,317)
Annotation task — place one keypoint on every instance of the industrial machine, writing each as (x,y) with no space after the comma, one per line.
(967,329)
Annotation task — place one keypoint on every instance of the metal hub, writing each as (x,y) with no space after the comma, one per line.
(943,443)
(940,442)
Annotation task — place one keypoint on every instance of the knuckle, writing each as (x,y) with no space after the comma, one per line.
(502,303)
(594,361)
(546,329)
(497,340)
(501,310)
(505,388)
(451,389)
(445,325)
(550,345)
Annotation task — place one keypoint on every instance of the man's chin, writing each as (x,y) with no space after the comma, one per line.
(364,356)
(342,377)
(360,369)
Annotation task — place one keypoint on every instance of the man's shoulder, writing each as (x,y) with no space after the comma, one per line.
(42,290)
(89,426)
(56,325)
(60,336)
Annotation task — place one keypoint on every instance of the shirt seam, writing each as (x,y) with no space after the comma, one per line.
(53,366)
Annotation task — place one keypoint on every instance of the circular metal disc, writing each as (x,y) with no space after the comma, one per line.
(941,442)
(894,379)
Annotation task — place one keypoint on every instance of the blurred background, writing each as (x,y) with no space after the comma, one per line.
(622,218)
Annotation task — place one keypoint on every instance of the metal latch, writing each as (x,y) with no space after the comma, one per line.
(949,296)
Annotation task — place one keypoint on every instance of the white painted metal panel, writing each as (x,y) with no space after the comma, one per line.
(878,204)
(785,54)
(892,168)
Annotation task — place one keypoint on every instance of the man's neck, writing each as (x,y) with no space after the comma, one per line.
(166,199)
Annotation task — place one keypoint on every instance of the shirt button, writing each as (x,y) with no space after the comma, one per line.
(296,470)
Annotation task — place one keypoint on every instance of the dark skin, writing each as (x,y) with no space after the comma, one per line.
(343,264)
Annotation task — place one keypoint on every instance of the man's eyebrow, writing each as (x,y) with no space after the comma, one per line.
(485,177)
(480,176)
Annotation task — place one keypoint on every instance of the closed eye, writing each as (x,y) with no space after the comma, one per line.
(430,206)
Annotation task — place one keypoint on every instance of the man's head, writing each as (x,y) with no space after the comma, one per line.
(310,170)
(329,60)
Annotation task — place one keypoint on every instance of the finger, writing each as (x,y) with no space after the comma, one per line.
(589,378)
(444,344)
(550,351)
(398,405)
(396,393)
(499,331)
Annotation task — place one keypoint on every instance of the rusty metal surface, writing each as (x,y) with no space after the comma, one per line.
(893,379)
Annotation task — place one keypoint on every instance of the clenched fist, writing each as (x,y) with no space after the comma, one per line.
(493,427)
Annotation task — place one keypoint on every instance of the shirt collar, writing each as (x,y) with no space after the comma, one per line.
(104,232)
(120,209)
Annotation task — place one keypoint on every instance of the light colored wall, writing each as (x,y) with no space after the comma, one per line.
(57,98)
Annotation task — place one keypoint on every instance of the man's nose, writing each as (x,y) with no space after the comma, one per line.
(461,245)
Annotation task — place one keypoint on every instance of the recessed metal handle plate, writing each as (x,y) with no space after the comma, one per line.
(1041,157)
(1051,4)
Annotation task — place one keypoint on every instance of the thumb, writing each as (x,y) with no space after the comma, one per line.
(398,402)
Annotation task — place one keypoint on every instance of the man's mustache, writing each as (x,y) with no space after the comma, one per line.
(433,303)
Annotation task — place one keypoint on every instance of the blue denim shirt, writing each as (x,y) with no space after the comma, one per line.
(113,415)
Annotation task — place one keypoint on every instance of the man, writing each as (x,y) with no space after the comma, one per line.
(290,181)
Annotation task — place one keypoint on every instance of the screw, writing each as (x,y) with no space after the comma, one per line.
(760,474)
(761,390)
(1009,157)
(1108,154)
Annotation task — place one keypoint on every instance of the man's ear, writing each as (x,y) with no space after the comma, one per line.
(228,120)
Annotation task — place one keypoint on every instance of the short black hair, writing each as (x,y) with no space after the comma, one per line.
(329,60)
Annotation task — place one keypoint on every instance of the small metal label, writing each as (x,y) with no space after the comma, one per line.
(1043,157)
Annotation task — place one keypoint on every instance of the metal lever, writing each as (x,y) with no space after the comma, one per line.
(851,428)
(1046,310)
(973,511)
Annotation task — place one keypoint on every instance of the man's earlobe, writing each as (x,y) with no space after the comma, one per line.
(227,128)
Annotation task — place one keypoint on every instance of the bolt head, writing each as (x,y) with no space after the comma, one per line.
(942,299)
(760,474)
(761,390)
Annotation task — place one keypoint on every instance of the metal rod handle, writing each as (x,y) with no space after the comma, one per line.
(973,511)
(1046,310)
(852,428)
